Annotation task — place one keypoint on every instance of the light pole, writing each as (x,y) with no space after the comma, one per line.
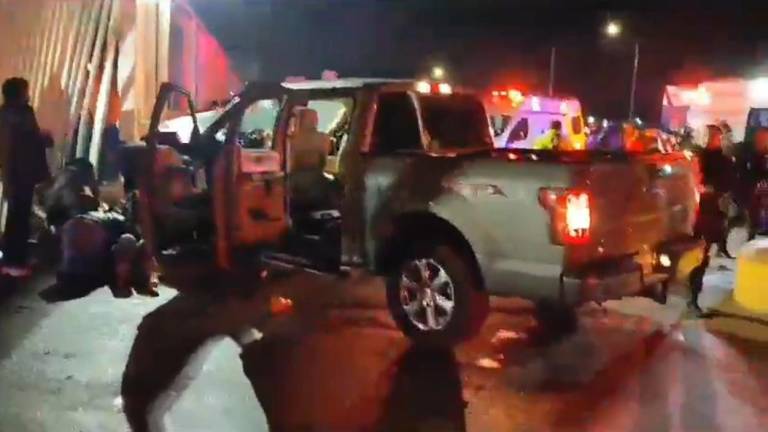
(634,82)
(552,58)
(613,29)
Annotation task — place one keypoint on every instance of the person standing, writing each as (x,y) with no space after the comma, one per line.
(752,190)
(717,171)
(712,222)
(553,139)
(23,166)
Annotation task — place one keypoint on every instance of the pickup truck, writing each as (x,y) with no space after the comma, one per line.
(413,190)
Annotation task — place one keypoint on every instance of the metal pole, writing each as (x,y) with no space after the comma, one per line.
(552,58)
(634,82)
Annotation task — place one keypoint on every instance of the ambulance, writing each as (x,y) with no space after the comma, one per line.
(518,120)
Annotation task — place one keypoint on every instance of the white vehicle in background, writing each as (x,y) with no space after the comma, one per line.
(740,102)
(518,120)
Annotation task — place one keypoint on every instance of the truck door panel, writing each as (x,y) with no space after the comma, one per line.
(160,157)
(249,189)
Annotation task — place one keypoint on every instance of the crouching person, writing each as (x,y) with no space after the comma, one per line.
(98,249)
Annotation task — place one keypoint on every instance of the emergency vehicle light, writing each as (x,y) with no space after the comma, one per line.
(444,89)
(423,87)
(515,96)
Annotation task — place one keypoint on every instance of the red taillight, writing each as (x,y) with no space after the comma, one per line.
(578,217)
(570,212)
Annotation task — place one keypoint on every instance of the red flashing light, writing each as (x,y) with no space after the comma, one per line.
(426,87)
(513,95)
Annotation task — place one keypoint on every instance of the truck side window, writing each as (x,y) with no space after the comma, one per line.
(519,132)
(396,126)
(256,128)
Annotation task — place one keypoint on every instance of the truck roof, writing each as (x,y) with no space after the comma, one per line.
(343,83)
(257,87)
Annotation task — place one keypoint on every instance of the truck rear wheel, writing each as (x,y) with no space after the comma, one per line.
(435,295)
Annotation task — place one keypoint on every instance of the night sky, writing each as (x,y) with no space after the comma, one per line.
(484,43)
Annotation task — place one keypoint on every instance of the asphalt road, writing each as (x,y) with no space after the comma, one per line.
(217,360)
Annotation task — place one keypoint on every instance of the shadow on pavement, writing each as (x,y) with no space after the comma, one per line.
(578,412)
(57,293)
(166,355)
(324,368)
(9,288)
(745,318)
(426,394)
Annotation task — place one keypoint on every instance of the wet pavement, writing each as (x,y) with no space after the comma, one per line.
(206,360)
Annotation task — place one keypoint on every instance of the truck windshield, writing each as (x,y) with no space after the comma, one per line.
(456,122)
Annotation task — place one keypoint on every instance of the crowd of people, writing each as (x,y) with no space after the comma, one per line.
(95,241)
(734,191)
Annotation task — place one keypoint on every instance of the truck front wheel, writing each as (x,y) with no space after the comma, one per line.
(435,295)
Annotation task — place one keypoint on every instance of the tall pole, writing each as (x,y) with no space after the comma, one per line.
(552,58)
(634,82)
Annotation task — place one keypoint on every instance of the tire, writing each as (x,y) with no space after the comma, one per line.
(556,320)
(470,301)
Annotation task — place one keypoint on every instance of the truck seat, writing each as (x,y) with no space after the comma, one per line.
(308,150)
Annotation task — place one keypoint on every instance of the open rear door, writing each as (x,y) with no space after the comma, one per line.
(172,105)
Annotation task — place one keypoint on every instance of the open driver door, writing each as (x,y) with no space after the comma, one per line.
(250,209)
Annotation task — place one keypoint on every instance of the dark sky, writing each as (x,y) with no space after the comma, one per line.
(503,42)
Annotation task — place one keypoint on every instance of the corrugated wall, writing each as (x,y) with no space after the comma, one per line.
(44,41)
(88,62)
(97,62)
(94,62)
(79,54)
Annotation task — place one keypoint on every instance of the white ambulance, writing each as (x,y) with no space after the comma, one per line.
(518,119)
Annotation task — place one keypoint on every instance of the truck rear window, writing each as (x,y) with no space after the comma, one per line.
(455,122)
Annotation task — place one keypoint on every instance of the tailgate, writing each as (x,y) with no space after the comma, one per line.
(636,205)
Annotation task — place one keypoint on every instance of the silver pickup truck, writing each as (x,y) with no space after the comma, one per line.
(412,189)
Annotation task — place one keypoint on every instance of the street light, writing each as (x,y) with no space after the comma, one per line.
(438,72)
(613,28)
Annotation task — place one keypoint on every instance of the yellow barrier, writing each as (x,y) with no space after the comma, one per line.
(751,291)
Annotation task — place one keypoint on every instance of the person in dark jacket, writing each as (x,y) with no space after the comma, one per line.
(752,182)
(24,165)
(717,171)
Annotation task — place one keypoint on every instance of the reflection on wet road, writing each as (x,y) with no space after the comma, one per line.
(337,363)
